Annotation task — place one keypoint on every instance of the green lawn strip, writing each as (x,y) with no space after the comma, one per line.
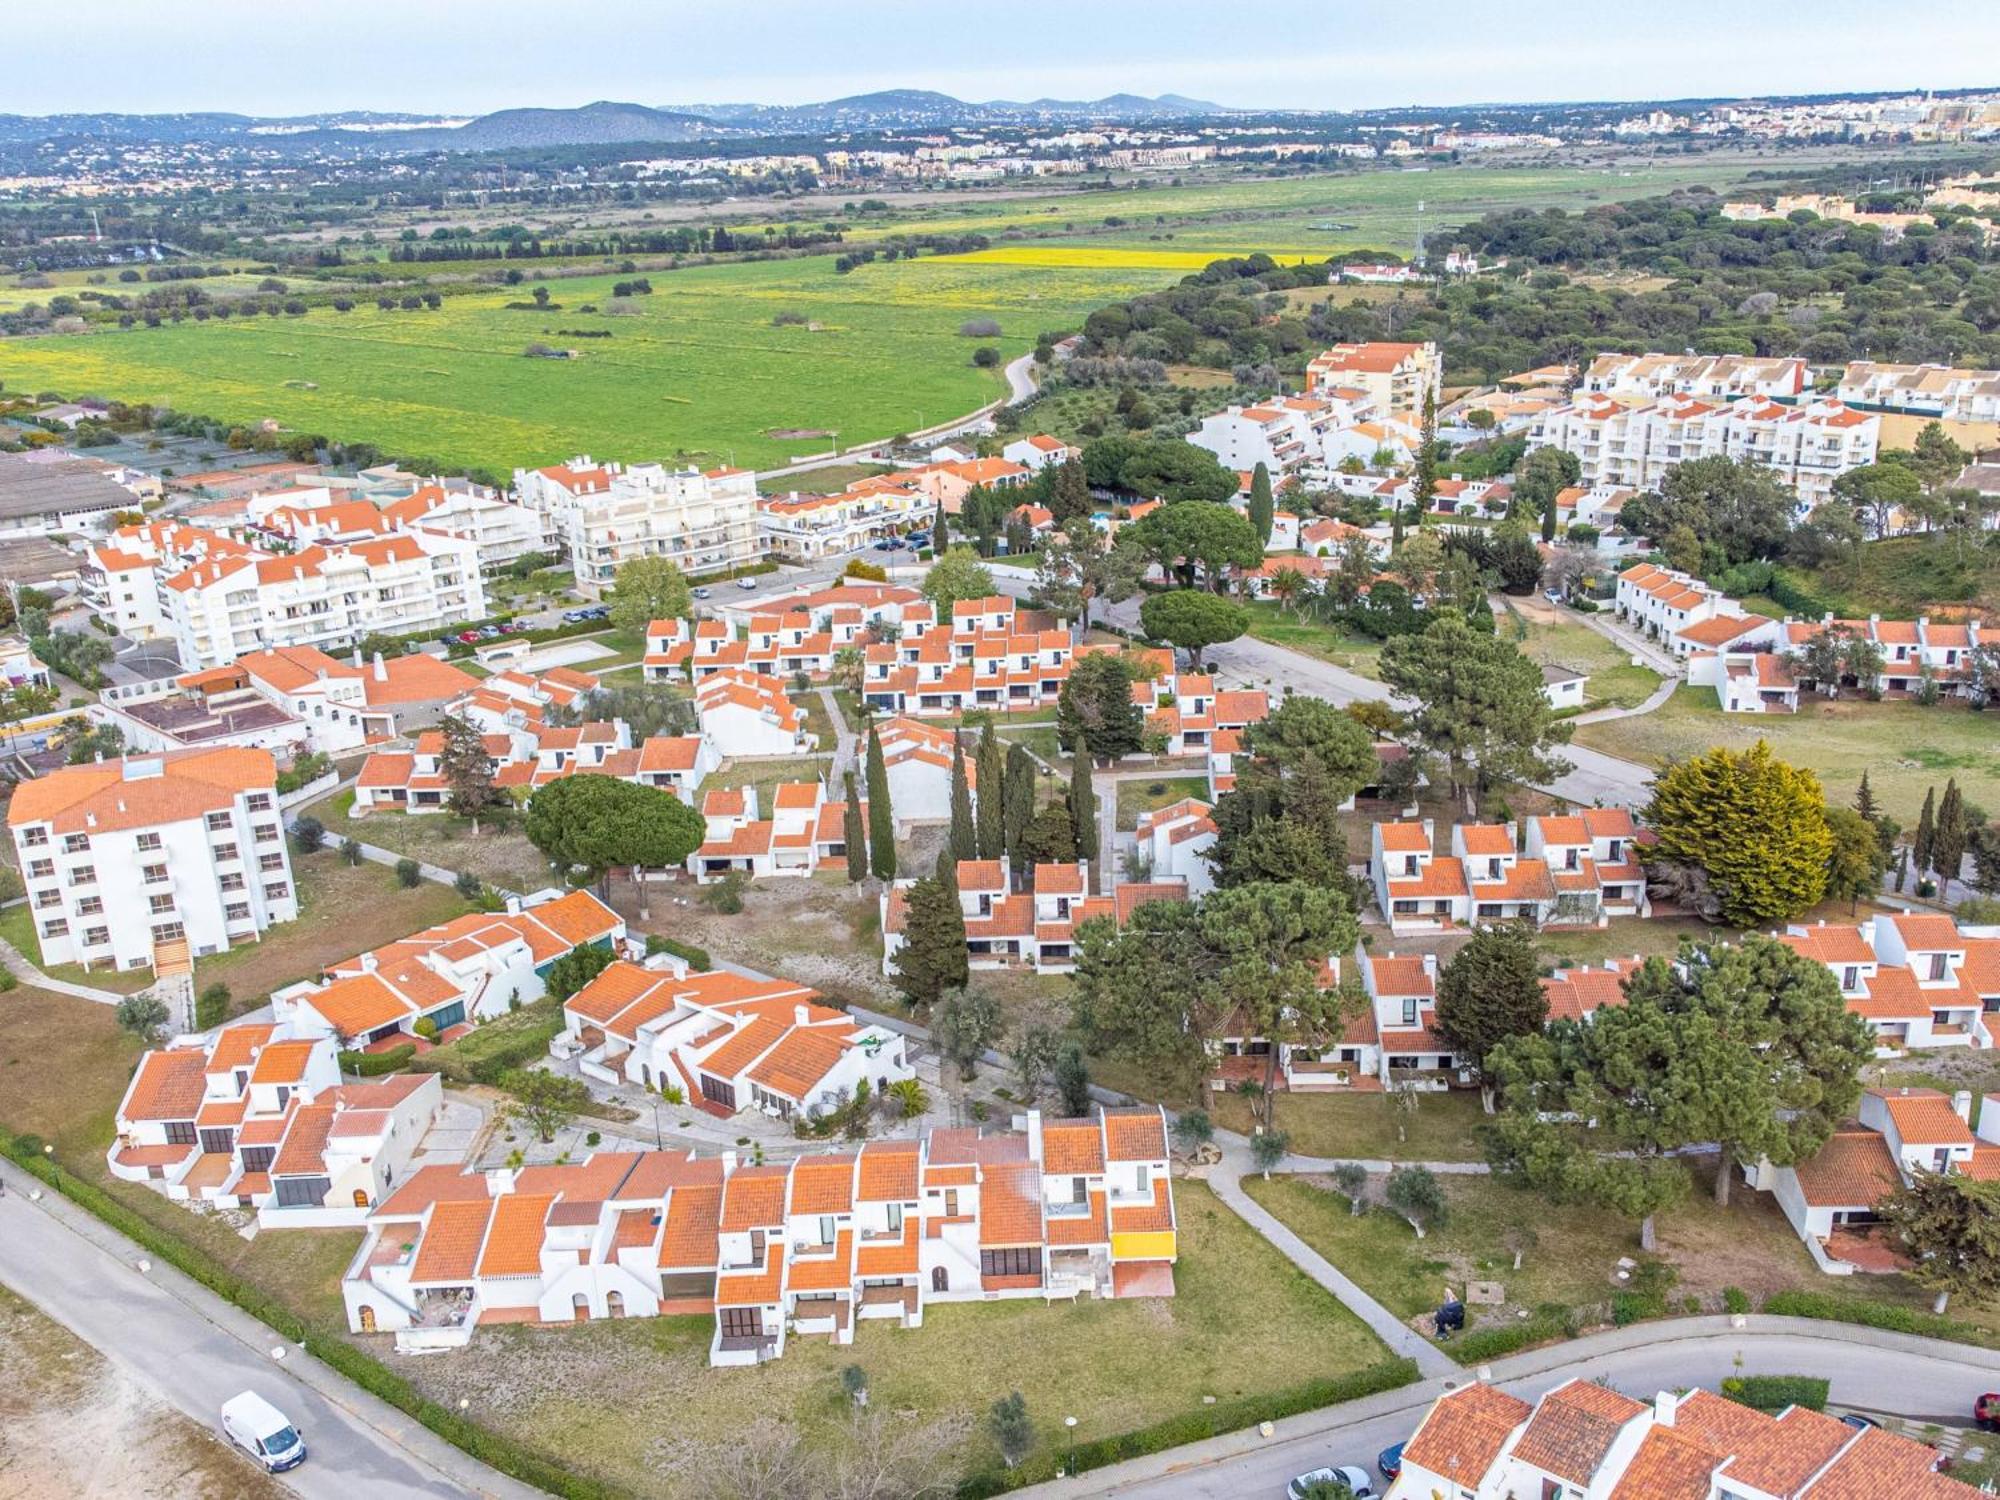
(17,926)
(1280,626)
(1582,947)
(498,854)
(1444,1127)
(1136,797)
(1906,748)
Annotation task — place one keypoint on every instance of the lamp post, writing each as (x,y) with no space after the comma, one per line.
(1070,1463)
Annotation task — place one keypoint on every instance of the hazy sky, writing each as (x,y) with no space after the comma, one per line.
(477,55)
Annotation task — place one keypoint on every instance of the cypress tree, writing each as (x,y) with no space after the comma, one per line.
(1549,520)
(1926,831)
(881,817)
(855,835)
(1261,508)
(932,958)
(1018,801)
(964,840)
(1083,805)
(940,532)
(1864,800)
(992,801)
(1948,840)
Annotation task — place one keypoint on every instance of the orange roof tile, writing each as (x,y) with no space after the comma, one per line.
(822,1185)
(825,1273)
(754,1198)
(1010,1204)
(694,1214)
(1072,1147)
(1573,1429)
(758,1288)
(888,1172)
(1464,1431)
(449,1250)
(168,1086)
(1135,1135)
(1852,1170)
(514,1243)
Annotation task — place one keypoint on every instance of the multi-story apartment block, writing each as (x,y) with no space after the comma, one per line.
(1287,433)
(728,1042)
(1941,391)
(1916,980)
(1707,377)
(1396,378)
(258,1118)
(804,528)
(1631,442)
(1053,1210)
(460,972)
(145,860)
(606,514)
(1033,928)
(500,531)
(1587,1441)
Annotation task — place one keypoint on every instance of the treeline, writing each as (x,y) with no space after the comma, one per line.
(684,240)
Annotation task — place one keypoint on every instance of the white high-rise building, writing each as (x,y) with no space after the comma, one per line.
(607,514)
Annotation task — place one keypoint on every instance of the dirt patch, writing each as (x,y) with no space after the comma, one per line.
(786,434)
(72,1424)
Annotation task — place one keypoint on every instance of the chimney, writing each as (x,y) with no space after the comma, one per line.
(1961,1105)
(499,1182)
(1431,965)
(381,669)
(1035,1135)
(368,963)
(1664,1406)
(801,1015)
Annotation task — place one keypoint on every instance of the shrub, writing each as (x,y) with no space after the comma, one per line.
(980,328)
(1636,1307)
(1835,1308)
(1735,1300)
(350,850)
(1550,1321)
(426,1028)
(726,895)
(1776,1392)
(308,834)
(375,1064)
(591,1138)
(212,1007)
(697,958)
(1979,911)
(408,873)
(468,885)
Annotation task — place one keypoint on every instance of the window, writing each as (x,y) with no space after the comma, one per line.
(1410,1012)
(180,1132)
(230,883)
(83,875)
(1025,1261)
(259,1158)
(268,862)
(1940,967)
(89,906)
(236,911)
(267,833)
(57,928)
(742,1322)
(153,874)
(97,937)
(75,843)
(225,851)
(951,1203)
(718,1092)
(49,898)
(42,869)
(277,892)
(895,1218)
(161,905)
(218,822)
(149,841)
(1079,1190)
(302,1192)
(34,838)
(257,801)
(757,1247)
(826,1229)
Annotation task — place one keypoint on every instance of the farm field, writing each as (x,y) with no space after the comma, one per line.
(698,371)
(1904,748)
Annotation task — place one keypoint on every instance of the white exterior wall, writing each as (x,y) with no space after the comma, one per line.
(919,792)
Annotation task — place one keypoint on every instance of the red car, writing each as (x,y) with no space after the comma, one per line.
(1986,1412)
(469,636)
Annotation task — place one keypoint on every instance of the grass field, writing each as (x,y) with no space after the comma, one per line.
(1903,747)
(1444,1127)
(699,371)
(635,1403)
(1612,680)
(1273,622)
(1137,798)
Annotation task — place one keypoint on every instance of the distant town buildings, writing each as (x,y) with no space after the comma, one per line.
(1396,378)
(607,514)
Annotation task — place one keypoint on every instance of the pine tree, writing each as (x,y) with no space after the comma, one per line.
(467,770)
(991,802)
(881,817)
(855,834)
(1261,510)
(1083,806)
(932,958)
(1018,802)
(1864,800)
(1948,840)
(1926,832)
(964,838)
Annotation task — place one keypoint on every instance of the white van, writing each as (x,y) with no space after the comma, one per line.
(261,1430)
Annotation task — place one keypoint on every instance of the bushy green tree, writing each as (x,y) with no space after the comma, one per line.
(932,958)
(1742,835)
(647,589)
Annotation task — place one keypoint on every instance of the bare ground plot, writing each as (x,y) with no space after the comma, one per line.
(634,1401)
(1904,747)
(1443,1127)
(343,910)
(498,854)
(1554,640)
(73,1424)
(64,1065)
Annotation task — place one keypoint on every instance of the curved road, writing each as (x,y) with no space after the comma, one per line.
(1879,1373)
(194,1351)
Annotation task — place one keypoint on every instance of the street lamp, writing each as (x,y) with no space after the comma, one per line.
(1070,1424)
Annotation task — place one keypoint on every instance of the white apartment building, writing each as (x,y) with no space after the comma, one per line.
(499,531)
(1940,391)
(1707,377)
(805,528)
(1633,443)
(153,857)
(1395,377)
(606,514)
(1288,433)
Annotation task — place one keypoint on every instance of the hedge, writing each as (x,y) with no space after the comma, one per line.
(1479,1345)
(487,1064)
(375,1064)
(1197,1426)
(1774,1393)
(357,1365)
(697,957)
(1885,1315)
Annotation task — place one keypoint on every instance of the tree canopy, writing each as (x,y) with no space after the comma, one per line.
(648,589)
(1741,834)
(1192,620)
(589,824)
(1199,538)
(957,575)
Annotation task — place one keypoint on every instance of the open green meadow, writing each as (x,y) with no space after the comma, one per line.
(699,371)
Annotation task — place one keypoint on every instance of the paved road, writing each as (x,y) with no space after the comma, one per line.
(194,1351)
(1884,1375)
(1594,778)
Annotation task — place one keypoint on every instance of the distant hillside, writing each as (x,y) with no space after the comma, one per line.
(903,108)
(601,124)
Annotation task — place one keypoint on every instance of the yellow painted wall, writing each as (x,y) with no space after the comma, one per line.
(1157,1244)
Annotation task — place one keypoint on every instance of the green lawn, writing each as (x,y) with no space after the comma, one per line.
(1136,797)
(1569,1253)
(343,910)
(1621,939)
(17,926)
(768,775)
(1445,1127)
(1903,576)
(1905,748)
(822,481)
(1613,682)
(1273,622)
(498,854)
(634,1402)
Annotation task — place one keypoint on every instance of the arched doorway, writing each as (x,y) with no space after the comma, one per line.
(579,1308)
(361,1197)
(367,1318)
(614,1304)
(940,1279)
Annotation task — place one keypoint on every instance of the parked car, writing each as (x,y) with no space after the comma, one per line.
(701,593)
(491,632)
(575,616)
(262,1431)
(1390,1461)
(746,583)
(1357,1481)
(887,546)
(1986,1412)
(468,636)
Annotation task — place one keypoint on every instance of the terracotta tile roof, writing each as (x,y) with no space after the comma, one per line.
(1135,1135)
(1401,976)
(1403,838)
(1010,1204)
(822,1185)
(754,1198)
(1081,1229)
(433,1184)
(825,1273)
(100,797)
(304,1150)
(1927,934)
(1072,1147)
(1787,1452)
(1573,1429)
(1668,1466)
(1609,822)
(888,1172)
(1924,1117)
(168,1086)
(449,1249)
(1852,1170)
(1882,1463)
(282,1062)
(1576,993)
(751,1042)
(1486,839)
(237,1045)
(1830,945)
(361,1003)
(758,1288)
(514,1242)
(1444,876)
(1463,1433)
(1146,1218)
(694,1215)
(805,1056)
(897,1257)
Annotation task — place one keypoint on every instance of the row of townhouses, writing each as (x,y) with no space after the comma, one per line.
(1053,1210)
(1585,1441)
(1941,391)
(1578,870)
(1033,928)
(792,634)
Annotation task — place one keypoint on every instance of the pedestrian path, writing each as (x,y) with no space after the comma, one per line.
(17,964)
